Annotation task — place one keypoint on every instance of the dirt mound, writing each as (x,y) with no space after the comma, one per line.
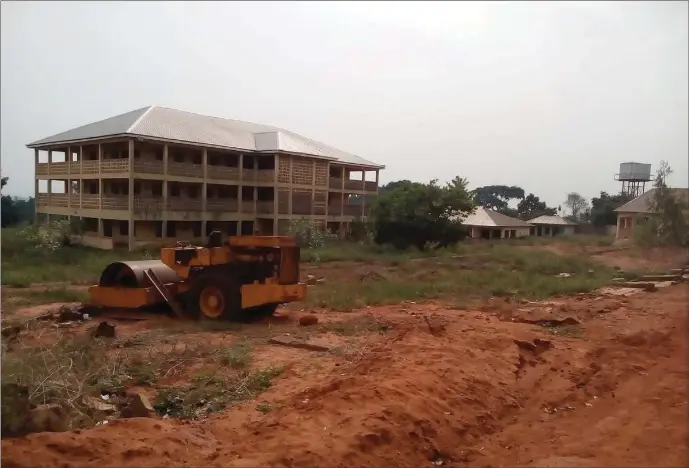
(484,392)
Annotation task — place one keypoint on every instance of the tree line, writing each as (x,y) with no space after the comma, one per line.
(418,214)
(14,210)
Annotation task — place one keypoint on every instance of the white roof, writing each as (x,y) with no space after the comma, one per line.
(175,125)
(554,220)
(489,218)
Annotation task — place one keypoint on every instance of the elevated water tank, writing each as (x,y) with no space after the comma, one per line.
(632,171)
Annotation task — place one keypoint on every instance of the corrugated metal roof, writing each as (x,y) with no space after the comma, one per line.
(172,124)
(552,220)
(484,217)
(640,203)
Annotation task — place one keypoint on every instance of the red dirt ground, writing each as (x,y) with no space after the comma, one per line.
(453,390)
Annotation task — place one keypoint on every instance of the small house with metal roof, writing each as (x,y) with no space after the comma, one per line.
(639,209)
(551,226)
(484,223)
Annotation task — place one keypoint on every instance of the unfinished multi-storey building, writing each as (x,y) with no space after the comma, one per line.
(155,175)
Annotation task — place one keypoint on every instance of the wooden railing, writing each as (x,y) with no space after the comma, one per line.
(230,205)
(335,183)
(150,205)
(117,166)
(371,186)
(90,201)
(184,169)
(58,199)
(42,169)
(248,175)
(42,199)
(184,204)
(90,167)
(247,206)
(265,175)
(59,169)
(148,167)
(115,202)
(265,206)
(223,172)
(352,210)
(334,210)
(112,166)
(353,184)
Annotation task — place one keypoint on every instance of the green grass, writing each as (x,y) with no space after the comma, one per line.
(465,271)
(23,265)
(499,270)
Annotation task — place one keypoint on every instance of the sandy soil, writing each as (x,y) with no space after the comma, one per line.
(442,387)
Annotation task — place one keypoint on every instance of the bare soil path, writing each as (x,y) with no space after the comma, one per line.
(437,386)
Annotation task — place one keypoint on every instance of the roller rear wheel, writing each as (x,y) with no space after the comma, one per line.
(216,296)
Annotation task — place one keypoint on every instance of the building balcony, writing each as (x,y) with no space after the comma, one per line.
(88,201)
(335,183)
(83,168)
(95,169)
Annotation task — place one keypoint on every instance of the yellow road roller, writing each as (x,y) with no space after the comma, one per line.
(227,279)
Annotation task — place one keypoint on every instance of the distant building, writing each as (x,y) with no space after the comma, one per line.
(488,224)
(156,175)
(551,226)
(637,210)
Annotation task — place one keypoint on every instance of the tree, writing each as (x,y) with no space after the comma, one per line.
(603,208)
(15,210)
(414,214)
(8,213)
(531,207)
(497,197)
(577,205)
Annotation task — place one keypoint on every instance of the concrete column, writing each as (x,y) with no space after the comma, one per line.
(35,214)
(165,191)
(68,191)
(130,230)
(289,202)
(255,190)
(50,181)
(204,195)
(100,176)
(313,187)
(377,179)
(81,177)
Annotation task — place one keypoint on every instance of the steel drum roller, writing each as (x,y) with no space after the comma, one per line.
(131,274)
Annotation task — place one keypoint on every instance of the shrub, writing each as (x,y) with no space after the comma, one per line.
(308,234)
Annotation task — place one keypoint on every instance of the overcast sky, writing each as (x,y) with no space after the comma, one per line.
(548,96)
